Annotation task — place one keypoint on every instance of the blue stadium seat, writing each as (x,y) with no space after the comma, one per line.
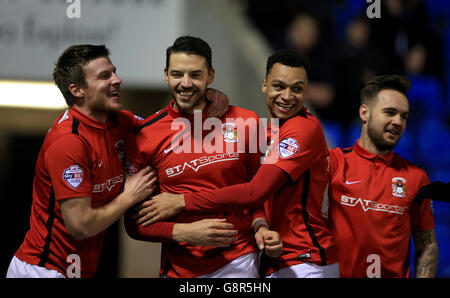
(334,133)
(434,143)
(425,97)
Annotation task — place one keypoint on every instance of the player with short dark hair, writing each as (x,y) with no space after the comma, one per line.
(79,189)
(291,182)
(372,190)
(216,244)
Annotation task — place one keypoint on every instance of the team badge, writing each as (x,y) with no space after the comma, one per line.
(229,131)
(73,176)
(399,187)
(288,147)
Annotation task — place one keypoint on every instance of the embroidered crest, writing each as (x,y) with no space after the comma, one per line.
(229,131)
(399,187)
(288,147)
(73,176)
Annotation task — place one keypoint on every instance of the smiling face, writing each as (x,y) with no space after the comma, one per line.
(99,96)
(188,78)
(384,121)
(286,90)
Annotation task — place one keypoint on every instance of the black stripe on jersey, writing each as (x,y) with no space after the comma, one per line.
(302,113)
(75,125)
(309,228)
(150,122)
(347,150)
(49,225)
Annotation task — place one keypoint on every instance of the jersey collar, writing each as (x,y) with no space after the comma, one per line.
(88,120)
(386,158)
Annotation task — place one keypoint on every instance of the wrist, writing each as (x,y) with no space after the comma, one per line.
(178,232)
(259,223)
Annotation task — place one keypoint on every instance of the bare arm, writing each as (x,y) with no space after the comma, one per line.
(82,221)
(426,253)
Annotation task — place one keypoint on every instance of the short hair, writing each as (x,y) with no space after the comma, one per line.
(69,68)
(190,45)
(287,57)
(384,82)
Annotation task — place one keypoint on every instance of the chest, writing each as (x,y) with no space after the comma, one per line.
(200,160)
(105,160)
(374,188)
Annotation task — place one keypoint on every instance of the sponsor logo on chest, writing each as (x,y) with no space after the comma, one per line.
(367,205)
(203,161)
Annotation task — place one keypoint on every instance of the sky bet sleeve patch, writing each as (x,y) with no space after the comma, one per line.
(288,147)
(73,176)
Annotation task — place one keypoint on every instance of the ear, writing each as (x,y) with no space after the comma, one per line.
(76,90)
(364,113)
(264,86)
(211,76)
(166,75)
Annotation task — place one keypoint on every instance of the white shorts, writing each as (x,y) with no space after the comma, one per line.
(245,266)
(307,270)
(20,269)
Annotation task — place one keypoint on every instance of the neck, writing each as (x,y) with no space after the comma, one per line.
(200,106)
(102,117)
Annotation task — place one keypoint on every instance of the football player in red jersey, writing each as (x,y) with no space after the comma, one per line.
(372,190)
(291,183)
(78,180)
(217,244)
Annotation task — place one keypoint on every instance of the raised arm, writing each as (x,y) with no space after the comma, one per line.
(266,182)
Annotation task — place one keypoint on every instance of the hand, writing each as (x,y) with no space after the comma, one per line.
(270,241)
(206,232)
(219,103)
(160,207)
(140,186)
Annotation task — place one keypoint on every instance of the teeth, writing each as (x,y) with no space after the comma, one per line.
(185,93)
(284,106)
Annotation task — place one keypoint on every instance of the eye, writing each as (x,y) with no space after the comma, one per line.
(176,74)
(297,89)
(277,87)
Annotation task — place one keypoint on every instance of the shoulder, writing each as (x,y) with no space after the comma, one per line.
(125,115)
(235,112)
(400,162)
(150,120)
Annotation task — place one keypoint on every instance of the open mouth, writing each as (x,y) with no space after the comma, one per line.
(284,107)
(393,132)
(185,95)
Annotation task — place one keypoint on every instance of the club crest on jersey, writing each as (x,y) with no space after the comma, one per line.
(399,187)
(288,147)
(73,176)
(229,131)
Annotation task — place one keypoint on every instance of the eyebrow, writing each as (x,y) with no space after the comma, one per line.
(394,109)
(283,82)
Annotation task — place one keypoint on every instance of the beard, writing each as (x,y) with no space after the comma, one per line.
(189,106)
(378,140)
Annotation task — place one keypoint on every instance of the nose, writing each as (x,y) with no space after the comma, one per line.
(116,80)
(186,81)
(286,94)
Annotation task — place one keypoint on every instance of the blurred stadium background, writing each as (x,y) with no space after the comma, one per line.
(345,47)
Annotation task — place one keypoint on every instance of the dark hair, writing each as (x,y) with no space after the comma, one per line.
(288,58)
(190,45)
(69,68)
(384,82)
